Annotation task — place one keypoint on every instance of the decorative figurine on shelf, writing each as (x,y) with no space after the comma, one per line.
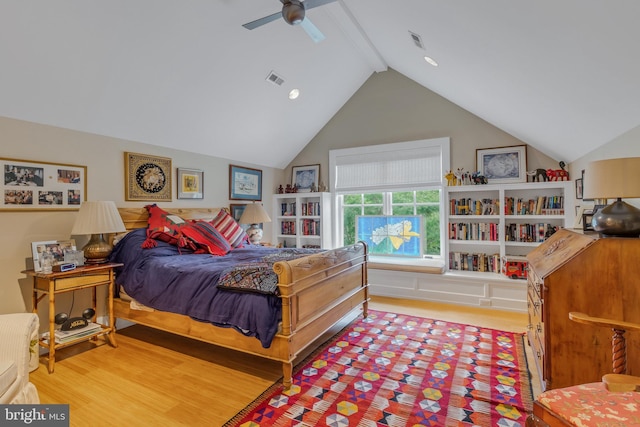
(558,174)
(451,178)
(477,178)
(288,189)
(313,188)
(322,188)
(280,189)
(538,175)
(294,188)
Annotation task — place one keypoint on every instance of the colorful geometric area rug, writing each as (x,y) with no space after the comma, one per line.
(398,370)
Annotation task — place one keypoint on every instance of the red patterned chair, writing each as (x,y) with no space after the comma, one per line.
(613,402)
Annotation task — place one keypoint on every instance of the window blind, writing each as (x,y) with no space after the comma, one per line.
(400,165)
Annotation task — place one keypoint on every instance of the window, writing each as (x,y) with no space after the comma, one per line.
(391,179)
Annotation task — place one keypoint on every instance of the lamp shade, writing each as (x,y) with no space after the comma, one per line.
(98,217)
(254,213)
(612,179)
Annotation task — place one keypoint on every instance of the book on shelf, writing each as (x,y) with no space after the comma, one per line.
(62,337)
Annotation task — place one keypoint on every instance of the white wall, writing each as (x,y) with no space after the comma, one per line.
(392,108)
(104,158)
(626,145)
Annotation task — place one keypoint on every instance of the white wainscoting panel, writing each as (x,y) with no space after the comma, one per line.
(479,290)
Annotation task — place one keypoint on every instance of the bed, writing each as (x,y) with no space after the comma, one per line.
(315,293)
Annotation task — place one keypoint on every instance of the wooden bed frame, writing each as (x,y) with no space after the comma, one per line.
(318,292)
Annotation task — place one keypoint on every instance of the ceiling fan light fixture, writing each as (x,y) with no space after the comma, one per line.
(293,12)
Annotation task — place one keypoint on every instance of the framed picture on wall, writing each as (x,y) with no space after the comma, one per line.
(147,177)
(190,183)
(236,211)
(31,185)
(245,183)
(305,178)
(504,164)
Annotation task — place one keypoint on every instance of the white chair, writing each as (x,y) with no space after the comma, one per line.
(17,331)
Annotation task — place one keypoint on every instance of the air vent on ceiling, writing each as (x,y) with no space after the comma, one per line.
(417,40)
(275,79)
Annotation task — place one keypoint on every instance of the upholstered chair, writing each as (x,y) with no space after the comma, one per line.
(18,333)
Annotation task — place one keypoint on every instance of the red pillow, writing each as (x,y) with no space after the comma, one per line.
(162,226)
(206,238)
(230,229)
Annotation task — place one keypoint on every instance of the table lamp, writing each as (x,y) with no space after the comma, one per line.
(254,214)
(614,179)
(97,219)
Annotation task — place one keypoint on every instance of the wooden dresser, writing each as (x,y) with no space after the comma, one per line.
(599,277)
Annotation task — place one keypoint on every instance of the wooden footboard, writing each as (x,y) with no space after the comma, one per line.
(318,292)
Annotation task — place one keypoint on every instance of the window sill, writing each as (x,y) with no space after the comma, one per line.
(429,266)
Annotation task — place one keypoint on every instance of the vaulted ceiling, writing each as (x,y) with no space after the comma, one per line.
(562,76)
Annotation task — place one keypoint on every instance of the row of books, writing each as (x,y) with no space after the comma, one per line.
(306,209)
(463,261)
(310,227)
(288,227)
(528,232)
(468,206)
(542,205)
(288,209)
(310,209)
(62,337)
(487,231)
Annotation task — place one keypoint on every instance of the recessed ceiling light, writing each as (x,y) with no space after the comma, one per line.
(431,61)
(294,93)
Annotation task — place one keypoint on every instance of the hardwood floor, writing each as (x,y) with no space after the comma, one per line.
(160,379)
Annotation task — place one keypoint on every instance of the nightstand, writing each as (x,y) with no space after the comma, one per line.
(85,277)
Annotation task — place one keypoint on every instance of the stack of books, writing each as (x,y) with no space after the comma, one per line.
(62,337)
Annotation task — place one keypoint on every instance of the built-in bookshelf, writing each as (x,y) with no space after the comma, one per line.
(302,220)
(496,225)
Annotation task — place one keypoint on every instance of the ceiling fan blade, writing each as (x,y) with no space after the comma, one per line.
(313,31)
(310,4)
(260,22)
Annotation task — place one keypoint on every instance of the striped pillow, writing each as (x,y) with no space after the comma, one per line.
(230,229)
(206,238)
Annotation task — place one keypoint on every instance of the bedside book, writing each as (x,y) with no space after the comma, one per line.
(66,336)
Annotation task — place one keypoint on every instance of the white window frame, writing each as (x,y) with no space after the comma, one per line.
(444,146)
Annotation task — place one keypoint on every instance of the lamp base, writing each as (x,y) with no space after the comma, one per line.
(97,251)
(255,234)
(619,219)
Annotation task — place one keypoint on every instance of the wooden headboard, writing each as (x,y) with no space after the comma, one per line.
(138,217)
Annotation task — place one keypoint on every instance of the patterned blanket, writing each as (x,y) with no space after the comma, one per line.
(258,276)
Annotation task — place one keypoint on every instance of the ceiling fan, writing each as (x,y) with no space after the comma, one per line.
(293,12)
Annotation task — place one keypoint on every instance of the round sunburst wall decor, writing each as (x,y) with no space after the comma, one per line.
(147,177)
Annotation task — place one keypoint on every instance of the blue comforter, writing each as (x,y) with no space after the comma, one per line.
(168,279)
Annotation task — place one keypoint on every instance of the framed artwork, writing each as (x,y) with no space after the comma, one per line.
(587,216)
(147,177)
(391,235)
(504,164)
(54,247)
(31,185)
(305,178)
(236,211)
(190,184)
(245,183)
(579,191)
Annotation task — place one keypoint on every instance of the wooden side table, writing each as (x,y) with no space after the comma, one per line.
(88,276)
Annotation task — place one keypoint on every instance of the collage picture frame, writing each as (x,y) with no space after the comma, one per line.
(31,185)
